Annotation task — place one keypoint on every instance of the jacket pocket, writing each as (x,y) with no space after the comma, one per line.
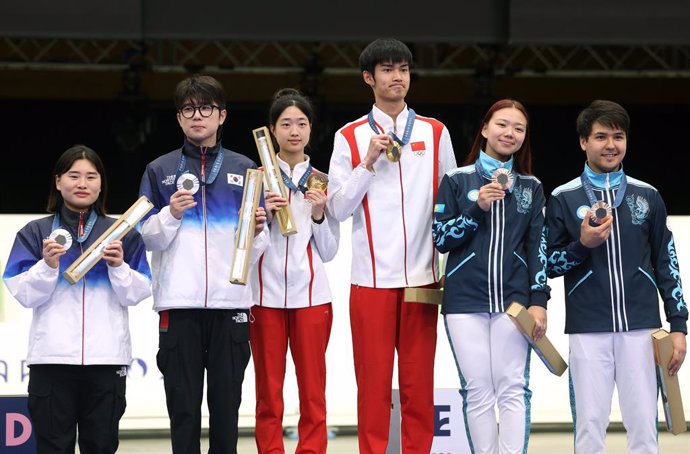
(520,258)
(40,401)
(578,283)
(648,276)
(459,265)
(167,343)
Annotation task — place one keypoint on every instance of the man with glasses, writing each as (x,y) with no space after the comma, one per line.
(204,319)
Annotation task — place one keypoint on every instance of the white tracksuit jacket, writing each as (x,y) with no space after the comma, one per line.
(392,210)
(85,323)
(290,273)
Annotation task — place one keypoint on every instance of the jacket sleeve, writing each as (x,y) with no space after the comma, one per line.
(562,251)
(259,244)
(131,281)
(451,227)
(347,186)
(326,236)
(446,155)
(27,276)
(666,269)
(535,245)
(158,228)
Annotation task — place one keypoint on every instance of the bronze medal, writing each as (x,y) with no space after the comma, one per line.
(599,211)
(503,177)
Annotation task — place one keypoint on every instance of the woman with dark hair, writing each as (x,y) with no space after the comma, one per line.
(79,343)
(294,306)
(489,218)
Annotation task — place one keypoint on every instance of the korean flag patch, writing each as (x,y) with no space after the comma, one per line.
(237,180)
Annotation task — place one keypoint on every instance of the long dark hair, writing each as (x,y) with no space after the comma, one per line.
(63,164)
(522,159)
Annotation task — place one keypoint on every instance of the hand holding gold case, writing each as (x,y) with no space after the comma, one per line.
(244,235)
(543,347)
(119,229)
(669,386)
(274,179)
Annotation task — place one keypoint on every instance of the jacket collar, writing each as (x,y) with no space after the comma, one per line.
(604,180)
(386,122)
(194,151)
(489,164)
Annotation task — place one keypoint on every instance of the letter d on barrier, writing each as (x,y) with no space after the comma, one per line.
(11,437)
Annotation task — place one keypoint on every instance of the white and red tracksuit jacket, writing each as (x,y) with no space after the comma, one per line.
(290,273)
(392,210)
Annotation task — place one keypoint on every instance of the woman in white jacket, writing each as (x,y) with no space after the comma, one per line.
(294,299)
(79,343)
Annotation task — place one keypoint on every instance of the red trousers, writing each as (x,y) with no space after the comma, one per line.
(306,331)
(381,323)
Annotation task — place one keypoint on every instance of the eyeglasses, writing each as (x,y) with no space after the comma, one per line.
(205,111)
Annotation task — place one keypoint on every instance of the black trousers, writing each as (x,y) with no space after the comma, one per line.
(64,399)
(193,341)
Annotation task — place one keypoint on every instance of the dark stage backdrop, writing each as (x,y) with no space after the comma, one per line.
(37,132)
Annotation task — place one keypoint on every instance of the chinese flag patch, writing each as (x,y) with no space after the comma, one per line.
(418,146)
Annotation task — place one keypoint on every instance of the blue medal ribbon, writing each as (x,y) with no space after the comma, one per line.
(215,169)
(301,184)
(407,134)
(87,227)
(589,190)
(480,171)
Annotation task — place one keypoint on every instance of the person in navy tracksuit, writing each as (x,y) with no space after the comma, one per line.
(204,319)
(493,234)
(615,263)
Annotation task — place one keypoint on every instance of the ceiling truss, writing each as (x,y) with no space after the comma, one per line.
(433,59)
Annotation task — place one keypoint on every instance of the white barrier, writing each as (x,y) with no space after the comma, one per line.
(146,398)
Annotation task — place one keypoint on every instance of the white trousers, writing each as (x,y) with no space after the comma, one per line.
(597,362)
(493,361)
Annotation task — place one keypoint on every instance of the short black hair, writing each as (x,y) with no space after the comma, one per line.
(201,89)
(607,113)
(63,164)
(384,50)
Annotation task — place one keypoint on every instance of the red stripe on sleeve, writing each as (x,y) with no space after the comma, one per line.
(349,134)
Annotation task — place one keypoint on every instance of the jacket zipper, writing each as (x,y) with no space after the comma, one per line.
(203,210)
(287,249)
(80,233)
(402,209)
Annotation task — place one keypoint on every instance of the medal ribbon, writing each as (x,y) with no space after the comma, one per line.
(181,167)
(407,134)
(87,227)
(301,184)
(589,190)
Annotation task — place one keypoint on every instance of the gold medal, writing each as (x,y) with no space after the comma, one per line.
(394,151)
(317,180)
(503,177)
(599,211)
